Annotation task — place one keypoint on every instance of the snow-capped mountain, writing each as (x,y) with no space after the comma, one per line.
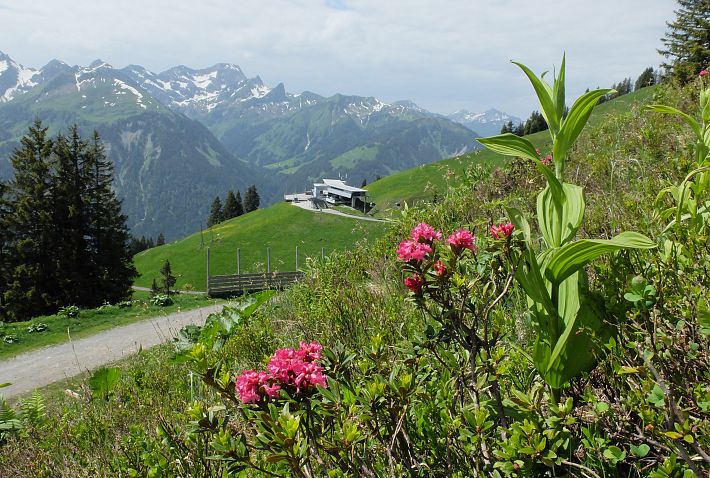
(486,124)
(212,129)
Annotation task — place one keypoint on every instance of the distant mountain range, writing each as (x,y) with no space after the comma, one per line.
(488,123)
(181,137)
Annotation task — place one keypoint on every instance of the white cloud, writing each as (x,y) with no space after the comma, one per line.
(442,55)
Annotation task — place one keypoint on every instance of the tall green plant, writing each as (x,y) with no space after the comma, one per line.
(569,318)
(690,196)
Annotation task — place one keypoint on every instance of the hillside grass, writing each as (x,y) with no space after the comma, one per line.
(434,179)
(281,227)
(91,321)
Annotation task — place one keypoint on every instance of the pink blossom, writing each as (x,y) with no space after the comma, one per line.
(414,284)
(462,239)
(705,72)
(425,233)
(409,251)
(309,352)
(249,385)
(440,268)
(547,160)
(500,231)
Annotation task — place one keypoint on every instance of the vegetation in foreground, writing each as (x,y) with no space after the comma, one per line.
(455,372)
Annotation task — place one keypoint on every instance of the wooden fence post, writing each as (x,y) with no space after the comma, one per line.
(208,271)
(322,253)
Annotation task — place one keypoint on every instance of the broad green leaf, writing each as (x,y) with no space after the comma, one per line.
(669,110)
(641,450)
(103,381)
(544,96)
(519,221)
(513,145)
(510,145)
(574,122)
(559,225)
(573,256)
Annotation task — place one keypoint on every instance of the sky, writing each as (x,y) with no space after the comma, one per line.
(444,55)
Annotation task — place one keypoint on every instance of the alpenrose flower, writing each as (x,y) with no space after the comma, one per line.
(705,72)
(547,160)
(462,239)
(500,231)
(423,232)
(414,284)
(413,251)
(289,369)
(440,268)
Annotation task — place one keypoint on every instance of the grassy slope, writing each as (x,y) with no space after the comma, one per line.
(280,227)
(420,183)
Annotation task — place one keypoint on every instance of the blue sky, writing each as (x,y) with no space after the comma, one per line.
(443,55)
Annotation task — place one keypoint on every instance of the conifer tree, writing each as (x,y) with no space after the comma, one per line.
(107,228)
(216,213)
(5,237)
(251,199)
(161,240)
(646,78)
(687,41)
(230,206)
(240,205)
(31,275)
(168,278)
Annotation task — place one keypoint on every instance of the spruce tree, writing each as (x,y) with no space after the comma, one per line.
(230,206)
(161,240)
(5,243)
(216,212)
(168,278)
(106,228)
(251,199)
(646,78)
(32,272)
(240,205)
(687,41)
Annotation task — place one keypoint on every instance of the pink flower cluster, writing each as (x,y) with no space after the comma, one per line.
(289,369)
(414,284)
(413,251)
(501,231)
(425,233)
(462,239)
(547,160)
(705,72)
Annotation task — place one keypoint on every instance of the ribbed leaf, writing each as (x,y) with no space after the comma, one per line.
(669,110)
(560,226)
(510,145)
(574,123)
(519,221)
(558,91)
(544,96)
(573,256)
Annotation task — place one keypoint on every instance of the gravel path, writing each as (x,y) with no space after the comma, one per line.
(41,367)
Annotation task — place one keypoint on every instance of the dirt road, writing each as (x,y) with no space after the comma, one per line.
(41,367)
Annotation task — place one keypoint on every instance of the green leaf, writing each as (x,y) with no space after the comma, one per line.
(614,454)
(559,225)
(641,450)
(544,96)
(574,122)
(669,110)
(103,381)
(573,256)
(558,90)
(519,221)
(656,397)
(510,145)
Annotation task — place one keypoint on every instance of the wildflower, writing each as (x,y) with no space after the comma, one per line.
(298,368)
(249,385)
(547,160)
(309,352)
(440,268)
(409,251)
(500,231)
(462,239)
(705,72)
(425,233)
(414,284)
